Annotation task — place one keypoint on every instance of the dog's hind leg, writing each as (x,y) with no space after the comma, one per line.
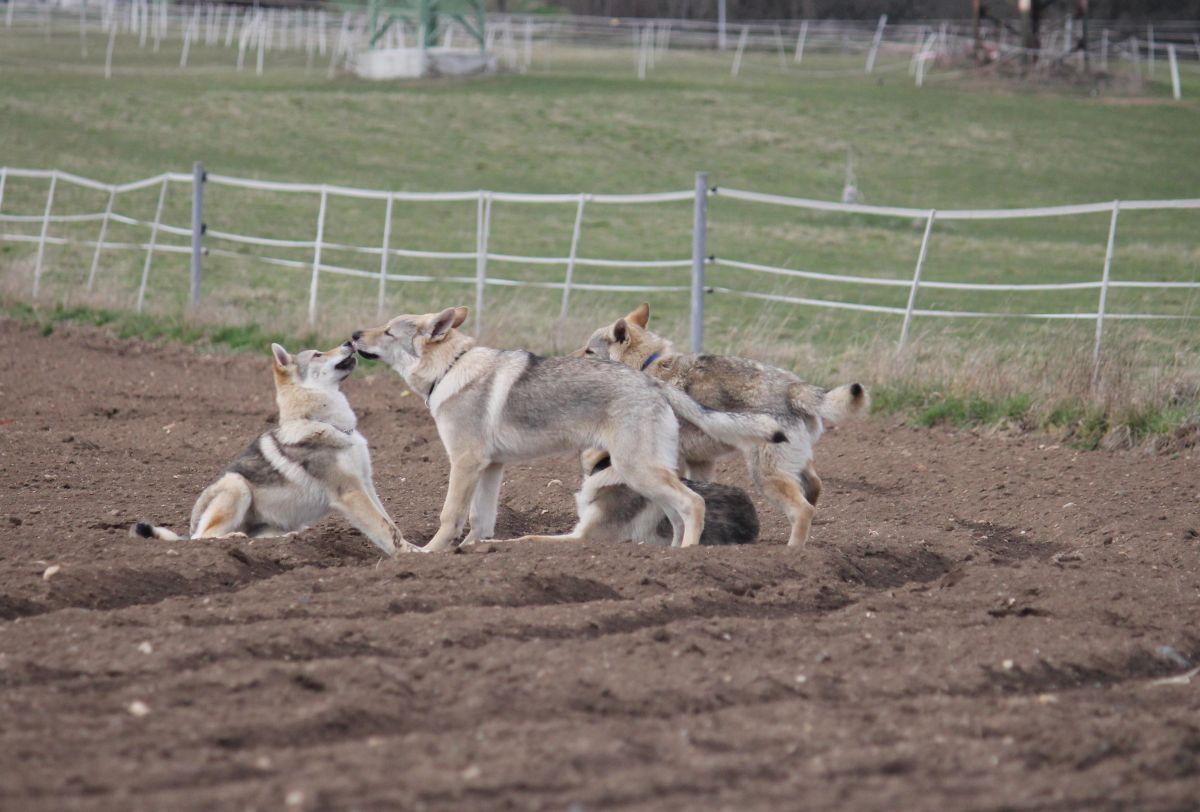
(464,477)
(485,504)
(662,487)
(224,512)
(785,475)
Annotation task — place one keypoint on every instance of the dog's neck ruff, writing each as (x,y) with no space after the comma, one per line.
(445,372)
(646,364)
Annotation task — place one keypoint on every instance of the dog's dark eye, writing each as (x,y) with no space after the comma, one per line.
(317,354)
(589,351)
(388,333)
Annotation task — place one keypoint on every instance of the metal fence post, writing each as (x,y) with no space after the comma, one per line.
(198,178)
(41,252)
(383,259)
(875,43)
(1174,62)
(699,256)
(112,195)
(916,283)
(162,197)
(316,273)
(800,39)
(570,277)
(736,68)
(483,221)
(1108,255)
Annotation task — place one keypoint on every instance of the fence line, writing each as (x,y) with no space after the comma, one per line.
(922,44)
(482,255)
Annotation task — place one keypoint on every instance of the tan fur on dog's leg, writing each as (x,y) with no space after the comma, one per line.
(225,511)
(485,504)
(464,477)
(786,490)
(360,509)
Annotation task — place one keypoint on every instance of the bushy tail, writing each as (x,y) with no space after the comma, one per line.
(145,530)
(737,429)
(844,402)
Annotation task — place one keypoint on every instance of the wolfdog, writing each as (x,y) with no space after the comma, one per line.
(783,471)
(293,475)
(610,511)
(496,406)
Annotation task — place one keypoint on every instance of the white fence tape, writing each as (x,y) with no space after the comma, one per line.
(481,255)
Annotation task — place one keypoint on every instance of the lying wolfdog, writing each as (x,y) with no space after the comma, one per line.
(610,511)
(293,475)
(494,406)
(783,471)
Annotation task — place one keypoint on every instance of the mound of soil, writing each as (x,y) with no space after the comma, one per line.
(978,622)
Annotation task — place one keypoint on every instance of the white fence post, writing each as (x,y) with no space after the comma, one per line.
(483,224)
(800,39)
(741,46)
(316,273)
(162,196)
(699,257)
(263,33)
(1174,72)
(112,195)
(1108,255)
(41,251)
(3,183)
(923,57)
(1104,50)
(916,283)
(570,277)
(112,40)
(875,43)
(383,260)
(1150,50)
(198,228)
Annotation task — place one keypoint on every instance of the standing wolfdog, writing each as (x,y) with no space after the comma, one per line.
(495,406)
(293,475)
(783,471)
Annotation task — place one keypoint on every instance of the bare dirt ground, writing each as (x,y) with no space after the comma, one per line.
(980,622)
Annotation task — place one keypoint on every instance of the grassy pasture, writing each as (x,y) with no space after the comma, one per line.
(582,122)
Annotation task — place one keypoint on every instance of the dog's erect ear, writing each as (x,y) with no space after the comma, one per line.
(640,316)
(282,358)
(620,331)
(445,321)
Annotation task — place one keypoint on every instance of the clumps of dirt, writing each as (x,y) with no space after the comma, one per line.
(1006,543)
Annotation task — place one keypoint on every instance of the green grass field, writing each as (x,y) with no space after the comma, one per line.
(582,122)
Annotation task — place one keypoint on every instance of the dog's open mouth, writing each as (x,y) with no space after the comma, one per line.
(370,356)
(346,363)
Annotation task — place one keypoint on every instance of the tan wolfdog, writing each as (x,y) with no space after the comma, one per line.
(291,476)
(493,407)
(783,471)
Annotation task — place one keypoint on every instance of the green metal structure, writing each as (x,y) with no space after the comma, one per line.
(427,17)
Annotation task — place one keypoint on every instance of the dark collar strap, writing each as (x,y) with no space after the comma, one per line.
(433,385)
(650,361)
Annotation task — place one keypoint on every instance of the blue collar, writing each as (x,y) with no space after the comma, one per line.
(650,361)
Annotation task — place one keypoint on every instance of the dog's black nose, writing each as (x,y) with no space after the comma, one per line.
(356,335)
